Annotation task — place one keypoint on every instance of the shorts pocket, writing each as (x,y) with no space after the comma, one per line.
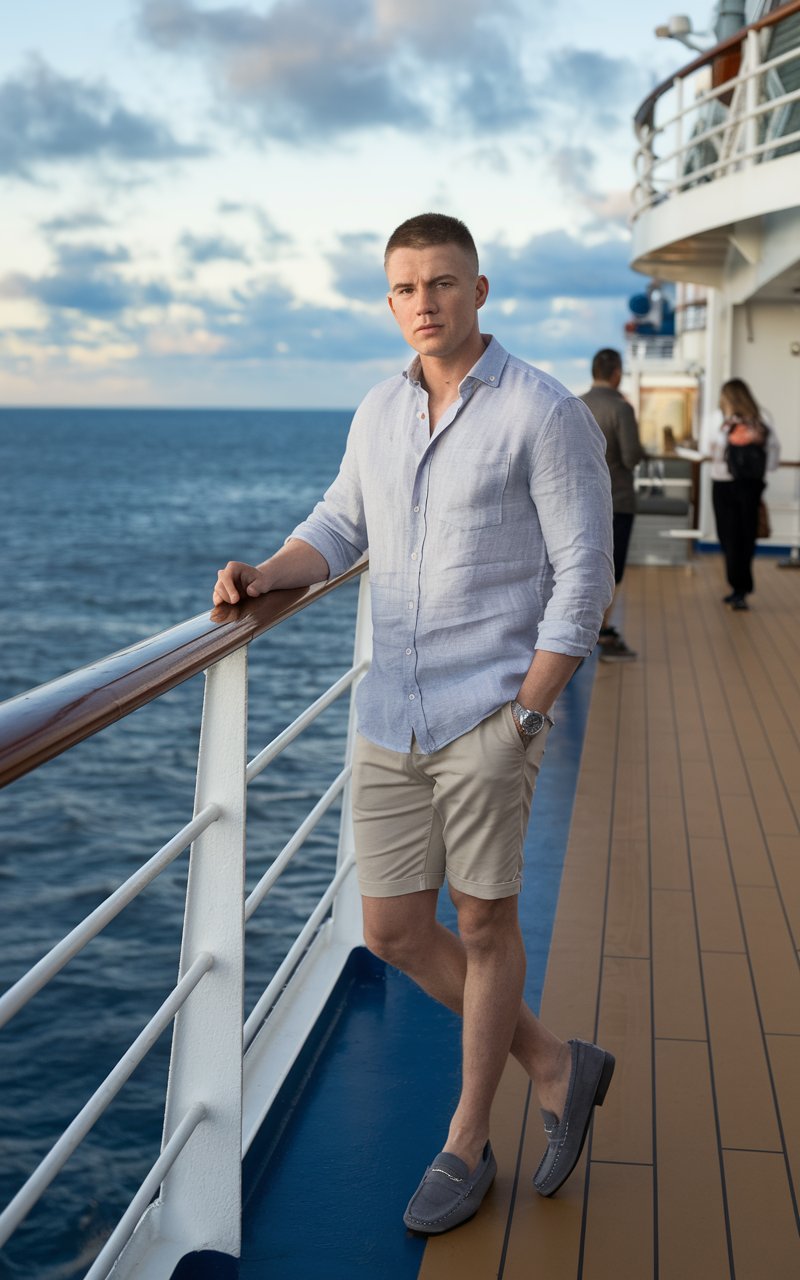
(534,746)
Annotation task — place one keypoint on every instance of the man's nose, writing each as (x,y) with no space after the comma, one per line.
(426,303)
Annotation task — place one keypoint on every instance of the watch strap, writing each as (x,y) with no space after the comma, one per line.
(521,713)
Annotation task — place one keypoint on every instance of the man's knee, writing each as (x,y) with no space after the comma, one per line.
(398,930)
(485,923)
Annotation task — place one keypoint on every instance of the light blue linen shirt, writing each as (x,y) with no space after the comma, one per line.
(487,540)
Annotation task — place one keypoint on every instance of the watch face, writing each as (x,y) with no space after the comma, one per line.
(532,722)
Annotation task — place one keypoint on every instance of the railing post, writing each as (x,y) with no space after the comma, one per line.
(678,133)
(649,166)
(751,61)
(347,921)
(201,1196)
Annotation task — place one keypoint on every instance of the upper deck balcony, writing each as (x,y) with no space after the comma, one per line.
(719,152)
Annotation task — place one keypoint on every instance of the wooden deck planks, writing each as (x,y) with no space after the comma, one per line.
(676,946)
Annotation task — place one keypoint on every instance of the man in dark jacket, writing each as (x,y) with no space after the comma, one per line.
(617,421)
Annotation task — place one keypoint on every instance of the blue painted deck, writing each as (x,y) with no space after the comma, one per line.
(327,1182)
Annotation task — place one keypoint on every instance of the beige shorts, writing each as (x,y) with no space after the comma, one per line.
(460,812)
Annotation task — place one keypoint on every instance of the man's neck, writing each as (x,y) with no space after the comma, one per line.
(441,377)
(612,386)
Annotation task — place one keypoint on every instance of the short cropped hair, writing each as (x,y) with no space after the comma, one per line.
(605,364)
(428,229)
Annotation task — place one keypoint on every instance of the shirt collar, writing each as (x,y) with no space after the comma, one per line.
(488,369)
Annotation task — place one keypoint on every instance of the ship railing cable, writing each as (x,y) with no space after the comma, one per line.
(127,1224)
(88,1116)
(45,969)
(40,725)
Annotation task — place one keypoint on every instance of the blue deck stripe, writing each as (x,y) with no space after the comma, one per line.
(328,1178)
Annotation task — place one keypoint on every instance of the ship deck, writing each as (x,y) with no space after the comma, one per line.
(674,944)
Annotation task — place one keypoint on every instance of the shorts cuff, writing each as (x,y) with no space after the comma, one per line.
(486,891)
(395,888)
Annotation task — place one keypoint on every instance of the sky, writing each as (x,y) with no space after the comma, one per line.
(195,196)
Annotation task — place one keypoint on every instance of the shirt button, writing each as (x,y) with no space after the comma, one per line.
(422,417)
(413,555)
(416,508)
(411,697)
(491,377)
(408,652)
(411,604)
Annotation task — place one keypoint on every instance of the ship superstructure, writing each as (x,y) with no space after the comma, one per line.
(717,210)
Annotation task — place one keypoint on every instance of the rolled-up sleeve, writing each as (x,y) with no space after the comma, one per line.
(571,489)
(337,527)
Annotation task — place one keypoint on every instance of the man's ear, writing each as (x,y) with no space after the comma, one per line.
(481,291)
(390,300)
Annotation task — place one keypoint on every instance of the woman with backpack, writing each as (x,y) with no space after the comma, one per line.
(742,452)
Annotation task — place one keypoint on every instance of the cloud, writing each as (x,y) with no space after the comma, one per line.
(589,79)
(554,298)
(307,70)
(272,236)
(556,264)
(357,265)
(552,265)
(575,168)
(98,295)
(48,117)
(80,220)
(267,320)
(85,280)
(200,249)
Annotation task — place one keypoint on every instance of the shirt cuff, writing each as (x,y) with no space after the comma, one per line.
(561,637)
(328,545)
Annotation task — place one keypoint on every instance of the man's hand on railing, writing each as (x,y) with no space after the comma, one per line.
(297,564)
(238,579)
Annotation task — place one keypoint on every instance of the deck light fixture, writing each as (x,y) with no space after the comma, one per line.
(679,27)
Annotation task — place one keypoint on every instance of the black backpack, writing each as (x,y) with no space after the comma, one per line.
(747,461)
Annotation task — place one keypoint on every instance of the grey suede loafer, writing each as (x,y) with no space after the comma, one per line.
(449,1194)
(592,1069)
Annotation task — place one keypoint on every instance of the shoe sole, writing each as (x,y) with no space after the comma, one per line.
(607,1072)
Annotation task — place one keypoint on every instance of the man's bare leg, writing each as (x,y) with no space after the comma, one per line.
(480,978)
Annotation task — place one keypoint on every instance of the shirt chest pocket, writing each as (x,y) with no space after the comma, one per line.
(469,488)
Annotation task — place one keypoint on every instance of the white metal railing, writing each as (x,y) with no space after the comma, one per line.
(717,131)
(648,346)
(199,1204)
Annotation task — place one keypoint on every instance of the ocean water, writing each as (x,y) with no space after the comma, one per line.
(113,525)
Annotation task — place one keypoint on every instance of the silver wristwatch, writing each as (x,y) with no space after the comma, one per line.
(530,722)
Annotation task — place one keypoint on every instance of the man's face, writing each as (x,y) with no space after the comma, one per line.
(434,295)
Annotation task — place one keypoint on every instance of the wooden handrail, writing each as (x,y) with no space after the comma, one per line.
(44,722)
(725,46)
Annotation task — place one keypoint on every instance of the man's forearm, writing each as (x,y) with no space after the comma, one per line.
(297,564)
(547,675)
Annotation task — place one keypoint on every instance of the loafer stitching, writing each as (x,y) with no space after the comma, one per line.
(470,1187)
(559,1153)
(444,1216)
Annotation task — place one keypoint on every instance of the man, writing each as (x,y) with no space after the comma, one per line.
(480,487)
(617,421)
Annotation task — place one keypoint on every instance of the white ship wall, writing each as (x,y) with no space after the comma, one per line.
(762,336)
(756,340)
